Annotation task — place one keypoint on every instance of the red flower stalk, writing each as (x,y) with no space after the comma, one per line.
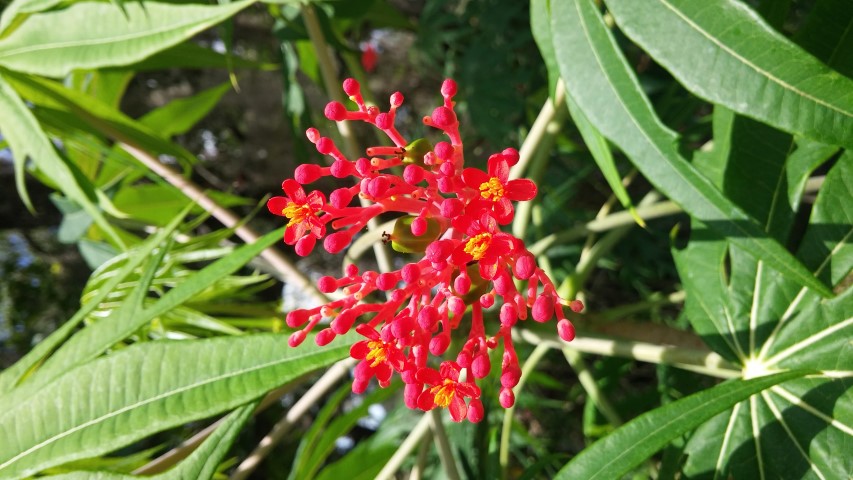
(451,217)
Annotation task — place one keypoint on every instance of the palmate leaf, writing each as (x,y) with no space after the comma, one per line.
(120,36)
(724,52)
(146,388)
(765,322)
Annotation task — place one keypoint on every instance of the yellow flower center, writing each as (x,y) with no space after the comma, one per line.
(378,352)
(478,245)
(296,213)
(492,190)
(443,393)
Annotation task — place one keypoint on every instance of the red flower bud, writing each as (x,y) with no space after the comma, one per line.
(335,111)
(566,330)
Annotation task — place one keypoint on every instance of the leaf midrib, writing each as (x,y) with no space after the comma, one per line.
(100,41)
(147,401)
(785,85)
(652,143)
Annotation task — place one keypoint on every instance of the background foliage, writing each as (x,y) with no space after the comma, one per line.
(695,181)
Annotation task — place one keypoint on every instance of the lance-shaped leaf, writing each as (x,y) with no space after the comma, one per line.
(27,140)
(118,37)
(603,86)
(98,337)
(146,388)
(203,462)
(724,52)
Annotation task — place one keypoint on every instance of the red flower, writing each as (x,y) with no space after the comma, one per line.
(486,244)
(446,390)
(302,211)
(369,58)
(496,191)
(378,358)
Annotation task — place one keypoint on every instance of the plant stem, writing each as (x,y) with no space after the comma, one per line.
(280,264)
(614,220)
(506,428)
(396,461)
(297,411)
(575,359)
(445,453)
(697,360)
(421,461)
(535,151)
(333,88)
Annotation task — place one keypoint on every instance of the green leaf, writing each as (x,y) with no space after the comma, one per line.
(146,388)
(630,445)
(28,140)
(98,337)
(319,442)
(157,204)
(132,259)
(116,38)
(190,55)
(600,150)
(601,83)
(540,26)
(180,115)
(828,34)
(763,321)
(203,462)
(727,54)
(103,118)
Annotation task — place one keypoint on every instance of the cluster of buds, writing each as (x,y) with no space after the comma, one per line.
(451,219)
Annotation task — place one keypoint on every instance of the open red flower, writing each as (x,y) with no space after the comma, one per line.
(302,211)
(446,391)
(378,357)
(486,244)
(496,191)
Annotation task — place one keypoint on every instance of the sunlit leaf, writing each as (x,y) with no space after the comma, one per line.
(146,388)
(117,38)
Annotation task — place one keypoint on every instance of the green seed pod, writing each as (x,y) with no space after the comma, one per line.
(479,285)
(404,241)
(416,150)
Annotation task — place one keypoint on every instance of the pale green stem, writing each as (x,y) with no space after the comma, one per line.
(538,130)
(417,472)
(535,152)
(589,257)
(614,220)
(697,360)
(314,394)
(655,300)
(506,429)
(333,88)
(396,461)
(445,453)
(281,266)
(575,359)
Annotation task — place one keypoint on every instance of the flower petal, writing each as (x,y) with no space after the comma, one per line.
(458,409)
(521,190)
(474,177)
(276,205)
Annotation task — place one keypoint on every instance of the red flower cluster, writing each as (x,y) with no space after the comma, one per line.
(451,217)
